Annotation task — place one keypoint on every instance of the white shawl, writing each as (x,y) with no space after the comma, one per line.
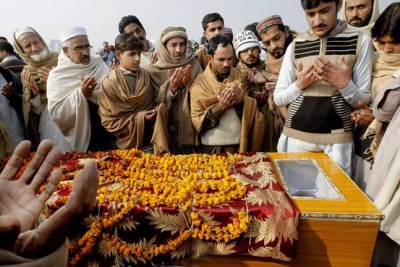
(67,105)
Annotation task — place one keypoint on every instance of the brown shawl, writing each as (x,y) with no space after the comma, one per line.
(204,93)
(123,113)
(180,110)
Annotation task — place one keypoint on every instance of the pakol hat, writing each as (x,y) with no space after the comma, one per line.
(73,32)
(264,24)
(245,40)
(172,32)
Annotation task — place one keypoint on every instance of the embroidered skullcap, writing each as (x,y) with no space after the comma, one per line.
(264,24)
(73,32)
(172,32)
(21,31)
(245,40)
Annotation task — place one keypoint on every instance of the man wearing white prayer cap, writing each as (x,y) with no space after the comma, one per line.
(35,52)
(73,89)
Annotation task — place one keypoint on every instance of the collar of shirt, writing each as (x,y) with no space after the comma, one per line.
(127,72)
(9,58)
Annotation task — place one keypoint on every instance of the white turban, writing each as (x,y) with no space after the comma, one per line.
(70,33)
(23,30)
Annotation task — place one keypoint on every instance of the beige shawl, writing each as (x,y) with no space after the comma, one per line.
(123,113)
(33,67)
(203,57)
(179,107)
(59,257)
(204,97)
(382,74)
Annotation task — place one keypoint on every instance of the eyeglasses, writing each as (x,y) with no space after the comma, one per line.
(80,48)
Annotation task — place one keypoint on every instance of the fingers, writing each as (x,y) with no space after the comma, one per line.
(41,165)
(53,231)
(83,195)
(88,84)
(92,177)
(16,160)
(51,186)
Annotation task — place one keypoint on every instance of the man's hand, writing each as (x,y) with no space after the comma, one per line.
(150,115)
(88,84)
(20,206)
(7,90)
(238,93)
(180,78)
(230,96)
(256,76)
(362,115)
(305,77)
(18,199)
(44,74)
(28,81)
(336,75)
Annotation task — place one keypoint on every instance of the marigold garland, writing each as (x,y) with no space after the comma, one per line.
(129,178)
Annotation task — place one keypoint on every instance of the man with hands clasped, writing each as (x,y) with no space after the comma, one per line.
(174,73)
(326,71)
(226,119)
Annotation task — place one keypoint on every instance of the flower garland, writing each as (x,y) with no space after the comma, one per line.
(129,178)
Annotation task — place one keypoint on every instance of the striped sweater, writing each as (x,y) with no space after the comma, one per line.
(321,114)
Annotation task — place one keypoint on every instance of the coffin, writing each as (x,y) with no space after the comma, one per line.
(338,224)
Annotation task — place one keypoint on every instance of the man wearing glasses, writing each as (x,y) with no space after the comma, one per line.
(73,89)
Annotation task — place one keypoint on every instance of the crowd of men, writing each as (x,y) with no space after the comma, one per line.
(267,88)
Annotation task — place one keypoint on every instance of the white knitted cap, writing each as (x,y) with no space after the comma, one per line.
(245,40)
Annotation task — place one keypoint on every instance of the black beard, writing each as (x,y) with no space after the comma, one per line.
(221,77)
(253,65)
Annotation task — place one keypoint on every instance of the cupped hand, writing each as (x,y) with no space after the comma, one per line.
(19,203)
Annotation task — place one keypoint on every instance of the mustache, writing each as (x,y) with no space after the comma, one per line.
(355,19)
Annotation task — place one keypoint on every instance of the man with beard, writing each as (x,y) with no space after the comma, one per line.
(248,50)
(35,52)
(360,14)
(174,73)
(131,24)
(73,88)
(325,72)
(226,119)
(275,38)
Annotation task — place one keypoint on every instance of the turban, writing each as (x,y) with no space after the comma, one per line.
(245,40)
(268,22)
(172,32)
(23,30)
(73,32)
